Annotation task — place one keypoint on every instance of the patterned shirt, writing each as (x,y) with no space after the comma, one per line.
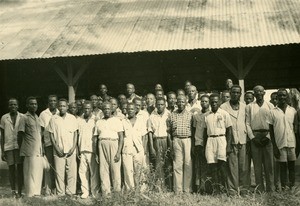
(179,123)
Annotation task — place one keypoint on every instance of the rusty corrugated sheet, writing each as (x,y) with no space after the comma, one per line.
(74,28)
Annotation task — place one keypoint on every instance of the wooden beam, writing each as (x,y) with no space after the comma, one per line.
(70,74)
(79,73)
(61,74)
(252,62)
(227,63)
(240,64)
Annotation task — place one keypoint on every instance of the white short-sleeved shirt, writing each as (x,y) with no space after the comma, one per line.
(143,117)
(45,118)
(157,123)
(86,130)
(194,107)
(63,130)
(216,123)
(284,128)
(108,128)
(10,131)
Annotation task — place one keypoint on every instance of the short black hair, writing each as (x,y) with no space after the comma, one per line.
(213,95)
(161,99)
(52,95)
(204,95)
(30,98)
(63,100)
(136,99)
(236,86)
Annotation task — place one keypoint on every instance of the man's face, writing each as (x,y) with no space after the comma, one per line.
(158,87)
(214,103)
(99,104)
(94,100)
(181,101)
(131,111)
(150,100)
(103,89)
(282,97)
(107,110)
(159,94)
(192,93)
(225,96)
(79,105)
(205,102)
(73,108)
(122,98)
(259,93)
(235,94)
(138,105)
(274,100)
(124,109)
(144,104)
(13,106)
(114,105)
(187,86)
(180,92)
(229,83)
(160,105)
(249,98)
(52,102)
(62,107)
(87,109)
(172,100)
(130,89)
(32,105)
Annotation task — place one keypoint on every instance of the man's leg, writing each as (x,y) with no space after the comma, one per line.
(292,174)
(84,175)
(94,177)
(49,176)
(178,164)
(243,167)
(71,172)
(233,170)
(187,165)
(283,174)
(277,175)
(268,161)
(127,160)
(60,166)
(115,167)
(20,178)
(11,168)
(257,162)
(104,167)
(248,158)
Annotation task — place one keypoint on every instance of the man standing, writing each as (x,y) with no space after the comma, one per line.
(200,160)
(115,111)
(171,100)
(193,104)
(96,111)
(109,131)
(217,141)
(45,117)
(150,100)
(63,128)
(225,96)
(249,97)
(30,137)
(257,114)
(10,148)
(274,99)
(130,89)
(160,140)
(103,93)
(88,167)
(179,128)
(283,131)
(237,179)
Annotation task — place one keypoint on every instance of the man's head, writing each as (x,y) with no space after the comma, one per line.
(204,100)
(228,83)
(124,108)
(181,102)
(144,104)
(259,92)
(122,98)
(94,100)
(79,105)
(114,104)
(130,89)
(103,89)
(282,97)
(138,104)
(52,102)
(159,93)
(160,105)
(158,87)
(192,92)
(13,105)
(214,102)
(180,92)
(171,98)
(131,110)
(225,96)
(235,93)
(274,100)
(106,109)
(249,97)
(31,104)
(73,108)
(62,106)
(200,94)
(150,100)
(87,109)
(187,84)
(99,104)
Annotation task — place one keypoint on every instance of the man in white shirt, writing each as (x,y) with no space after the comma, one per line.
(257,114)
(193,104)
(45,117)
(284,136)
(63,128)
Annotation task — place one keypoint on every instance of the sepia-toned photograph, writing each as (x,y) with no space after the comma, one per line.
(150,102)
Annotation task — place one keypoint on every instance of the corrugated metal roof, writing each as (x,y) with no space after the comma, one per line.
(71,28)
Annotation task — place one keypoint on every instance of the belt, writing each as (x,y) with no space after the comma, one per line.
(111,139)
(261,130)
(180,137)
(165,137)
(219,135)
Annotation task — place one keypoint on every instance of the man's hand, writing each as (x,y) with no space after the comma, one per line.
(228,149)
(60,153)
(248,147)
(153,152)
(264,141)
(257,141)
(3,156)
(97,158)
(117,157)
(276,152)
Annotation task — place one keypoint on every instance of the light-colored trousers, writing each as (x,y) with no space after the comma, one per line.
(182,165)
(238,169)
(133,165)
(33,175)
(66,167)
(110,171)
(49,175)
(89,173)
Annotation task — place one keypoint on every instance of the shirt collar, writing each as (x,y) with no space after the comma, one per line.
(49,112)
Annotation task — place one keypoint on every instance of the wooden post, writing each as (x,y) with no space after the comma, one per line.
(241,76)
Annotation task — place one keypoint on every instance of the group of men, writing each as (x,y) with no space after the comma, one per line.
(189,141)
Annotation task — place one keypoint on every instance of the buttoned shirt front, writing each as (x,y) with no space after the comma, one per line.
(194,107)
(179,123)
(63,129)
(32,142)
(256,117)
(108,128)
(86,130)
(10,131)
(238,119)
(157,123)
(284,126)
(198,124)
(216,123)
(45,118)
(143,117)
